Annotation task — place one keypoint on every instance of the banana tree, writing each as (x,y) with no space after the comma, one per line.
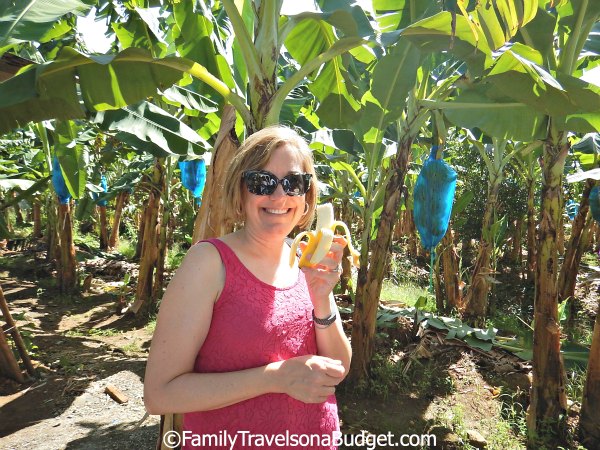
(537,81)
(384,105)
(383,198)
(526,165)
(496,156)
(150,129)
(24,174)
(586,150)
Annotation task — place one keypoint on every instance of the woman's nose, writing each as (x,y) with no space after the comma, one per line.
(278,192)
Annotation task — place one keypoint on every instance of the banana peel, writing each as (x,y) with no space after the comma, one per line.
(321,238)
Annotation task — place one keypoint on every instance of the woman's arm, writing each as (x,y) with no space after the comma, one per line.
(331,340)
(170,384)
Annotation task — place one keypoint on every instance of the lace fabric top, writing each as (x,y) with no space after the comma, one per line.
(254,324)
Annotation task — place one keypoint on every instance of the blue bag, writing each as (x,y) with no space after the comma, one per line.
(59,184)
(104,186)
(193,176)
(595,204)
(433,196)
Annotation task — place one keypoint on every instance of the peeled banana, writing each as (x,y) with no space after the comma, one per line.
(320,239)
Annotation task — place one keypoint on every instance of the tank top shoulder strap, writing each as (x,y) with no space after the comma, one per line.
(228,257)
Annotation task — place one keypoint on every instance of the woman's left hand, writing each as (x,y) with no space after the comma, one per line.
(322,278)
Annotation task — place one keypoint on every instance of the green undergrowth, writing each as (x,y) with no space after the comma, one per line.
(126,248)
(406,294)
(175,256)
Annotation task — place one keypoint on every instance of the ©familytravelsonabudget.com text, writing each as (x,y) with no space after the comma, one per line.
(241,439)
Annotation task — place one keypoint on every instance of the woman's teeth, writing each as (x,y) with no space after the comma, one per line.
(276,211)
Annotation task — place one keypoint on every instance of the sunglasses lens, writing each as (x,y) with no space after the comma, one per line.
(260,183)
(295,184)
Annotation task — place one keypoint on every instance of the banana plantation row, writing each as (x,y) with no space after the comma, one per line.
(372,88)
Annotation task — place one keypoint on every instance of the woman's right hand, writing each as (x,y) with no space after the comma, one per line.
(308,378)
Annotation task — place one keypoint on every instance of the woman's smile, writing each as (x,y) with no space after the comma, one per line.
(278,212)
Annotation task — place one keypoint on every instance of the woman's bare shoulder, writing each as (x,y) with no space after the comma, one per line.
(201,271)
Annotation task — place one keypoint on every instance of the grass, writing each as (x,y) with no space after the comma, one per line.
(389,377)
(151,326)
(507,428)
(175,256)
(575,383)
(126,248)
(89,239)
(80,332)
(22,231)
(590,259)
(406,293)
(133,347)
(510,425)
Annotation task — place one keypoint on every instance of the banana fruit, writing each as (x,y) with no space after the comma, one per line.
(320,239)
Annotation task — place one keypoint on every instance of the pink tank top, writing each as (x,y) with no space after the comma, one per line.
(254,324)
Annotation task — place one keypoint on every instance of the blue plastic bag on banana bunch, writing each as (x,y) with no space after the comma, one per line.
(58,182)
(193,176)
(595,203)
(433,196)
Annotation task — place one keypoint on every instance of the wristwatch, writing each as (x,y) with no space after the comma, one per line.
(326,321)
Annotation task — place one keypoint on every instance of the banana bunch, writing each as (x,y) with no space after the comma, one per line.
(320,239)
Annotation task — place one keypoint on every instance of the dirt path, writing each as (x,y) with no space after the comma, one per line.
(79,346)
(92,420)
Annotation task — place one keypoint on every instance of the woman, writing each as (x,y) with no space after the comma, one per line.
(248,347)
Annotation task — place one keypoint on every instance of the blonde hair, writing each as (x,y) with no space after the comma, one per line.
(254,153)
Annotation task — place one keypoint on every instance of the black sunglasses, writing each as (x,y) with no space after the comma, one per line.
(261,182)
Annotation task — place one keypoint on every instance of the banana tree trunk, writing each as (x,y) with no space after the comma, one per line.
(37,219)
(113,240)
(103,228)
(531,231)
(149,260)
(67,271)
(560,237)
(548,400)
(165,219)
(477,296)
(399,228)
(346,277)
(141,224)
(517,247)
(210,221)
(52,229)
(589,420)
(570,266)
(440,304)
(573,306)
(370,276)
(18,212)
(452,282)
(414,249)
(5,212)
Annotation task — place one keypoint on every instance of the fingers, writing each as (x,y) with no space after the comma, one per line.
(333,258)
(333,367)
(332,372)
(336,251)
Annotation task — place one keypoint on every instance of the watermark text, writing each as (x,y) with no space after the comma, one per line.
(241,439)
